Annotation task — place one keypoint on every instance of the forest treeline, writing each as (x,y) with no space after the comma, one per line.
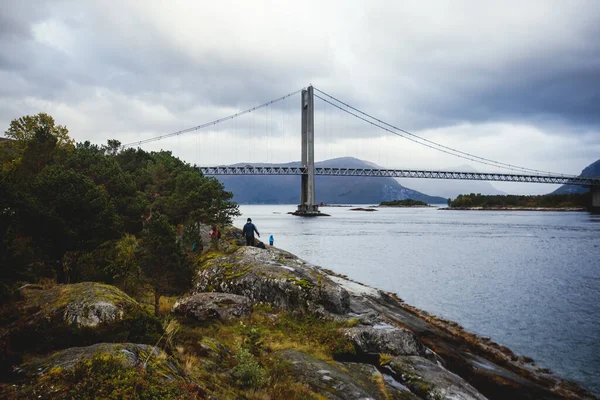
(574,200)
(76,212)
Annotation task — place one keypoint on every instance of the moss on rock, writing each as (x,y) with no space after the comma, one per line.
(107,371)
(74,315)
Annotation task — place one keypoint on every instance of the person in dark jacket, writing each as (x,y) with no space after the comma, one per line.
(248,232)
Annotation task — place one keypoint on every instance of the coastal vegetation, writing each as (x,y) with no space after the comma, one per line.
(73,212)
(572,200)
(110,290)
(404,203)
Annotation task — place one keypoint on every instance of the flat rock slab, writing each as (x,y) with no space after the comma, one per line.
(431,381)
(213,305)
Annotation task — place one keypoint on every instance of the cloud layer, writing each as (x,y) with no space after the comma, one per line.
(513,81)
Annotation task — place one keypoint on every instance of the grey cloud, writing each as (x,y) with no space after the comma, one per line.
(125,71)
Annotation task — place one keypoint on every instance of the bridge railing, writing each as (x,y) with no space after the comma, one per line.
(401,173)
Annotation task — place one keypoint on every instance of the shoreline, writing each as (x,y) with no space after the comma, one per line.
(541,209)
(493,369)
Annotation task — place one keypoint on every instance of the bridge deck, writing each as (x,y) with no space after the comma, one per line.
(403,173)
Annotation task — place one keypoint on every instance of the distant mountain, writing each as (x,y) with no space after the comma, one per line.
(281,189)
(451,188)
(592,170)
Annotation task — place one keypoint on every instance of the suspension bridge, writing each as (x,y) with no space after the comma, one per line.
(307,170)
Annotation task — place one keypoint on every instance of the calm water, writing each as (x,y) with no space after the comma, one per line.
(529,280)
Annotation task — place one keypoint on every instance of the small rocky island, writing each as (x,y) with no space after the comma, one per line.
(404,203)
(258,324)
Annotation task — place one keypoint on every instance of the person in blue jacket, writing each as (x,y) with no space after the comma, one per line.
(271,240)
(248,232)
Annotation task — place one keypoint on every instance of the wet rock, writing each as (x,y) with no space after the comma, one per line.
(431,381)
(384,338)
(272,276)
(382,386)
(207,306)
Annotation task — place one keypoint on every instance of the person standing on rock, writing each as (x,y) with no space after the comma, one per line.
(214,237)
(248,231)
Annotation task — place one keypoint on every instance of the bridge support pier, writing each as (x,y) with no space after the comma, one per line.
(595,197)
(307,207)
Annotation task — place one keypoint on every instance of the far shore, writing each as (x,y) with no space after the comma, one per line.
(557,209)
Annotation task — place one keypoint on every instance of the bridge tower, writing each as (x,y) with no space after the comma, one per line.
(308,206)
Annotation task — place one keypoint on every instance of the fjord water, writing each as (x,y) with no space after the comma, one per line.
(529,280)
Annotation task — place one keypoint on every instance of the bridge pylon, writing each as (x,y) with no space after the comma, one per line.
(308,206)
(595,198)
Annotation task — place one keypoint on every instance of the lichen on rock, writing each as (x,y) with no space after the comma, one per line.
(384,339)
(78,314)
(207,306)
(272,276)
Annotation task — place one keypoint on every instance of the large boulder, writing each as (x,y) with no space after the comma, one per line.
(429,380)
(384,338)
(272,276)
(78,314)
(207,306)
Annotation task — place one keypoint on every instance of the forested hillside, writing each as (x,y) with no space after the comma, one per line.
(76,212)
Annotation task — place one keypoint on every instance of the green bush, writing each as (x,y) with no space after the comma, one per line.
(248,372)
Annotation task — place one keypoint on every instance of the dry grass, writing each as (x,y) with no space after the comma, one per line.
(165,304)
(47,282)
(380,382)
(190,362)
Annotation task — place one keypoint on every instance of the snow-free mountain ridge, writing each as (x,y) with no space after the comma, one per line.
(281,189)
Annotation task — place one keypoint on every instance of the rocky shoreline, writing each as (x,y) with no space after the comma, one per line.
(329,336)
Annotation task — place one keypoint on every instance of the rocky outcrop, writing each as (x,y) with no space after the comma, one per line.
(343,381)
(207,306)
(434,358)
(78,314)
(131,355)
(431,381)
(272,276)
(385,339)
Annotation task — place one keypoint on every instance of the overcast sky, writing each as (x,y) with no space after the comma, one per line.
(513,81)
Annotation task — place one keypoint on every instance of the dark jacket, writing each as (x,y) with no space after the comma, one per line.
(249,230)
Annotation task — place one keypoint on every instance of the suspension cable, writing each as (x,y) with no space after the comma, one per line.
(217,121)
(411,139)
(433,144)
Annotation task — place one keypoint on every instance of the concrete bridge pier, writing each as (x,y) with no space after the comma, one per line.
(595,197)
(308,206)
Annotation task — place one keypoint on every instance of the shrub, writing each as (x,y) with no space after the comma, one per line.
(248,372)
